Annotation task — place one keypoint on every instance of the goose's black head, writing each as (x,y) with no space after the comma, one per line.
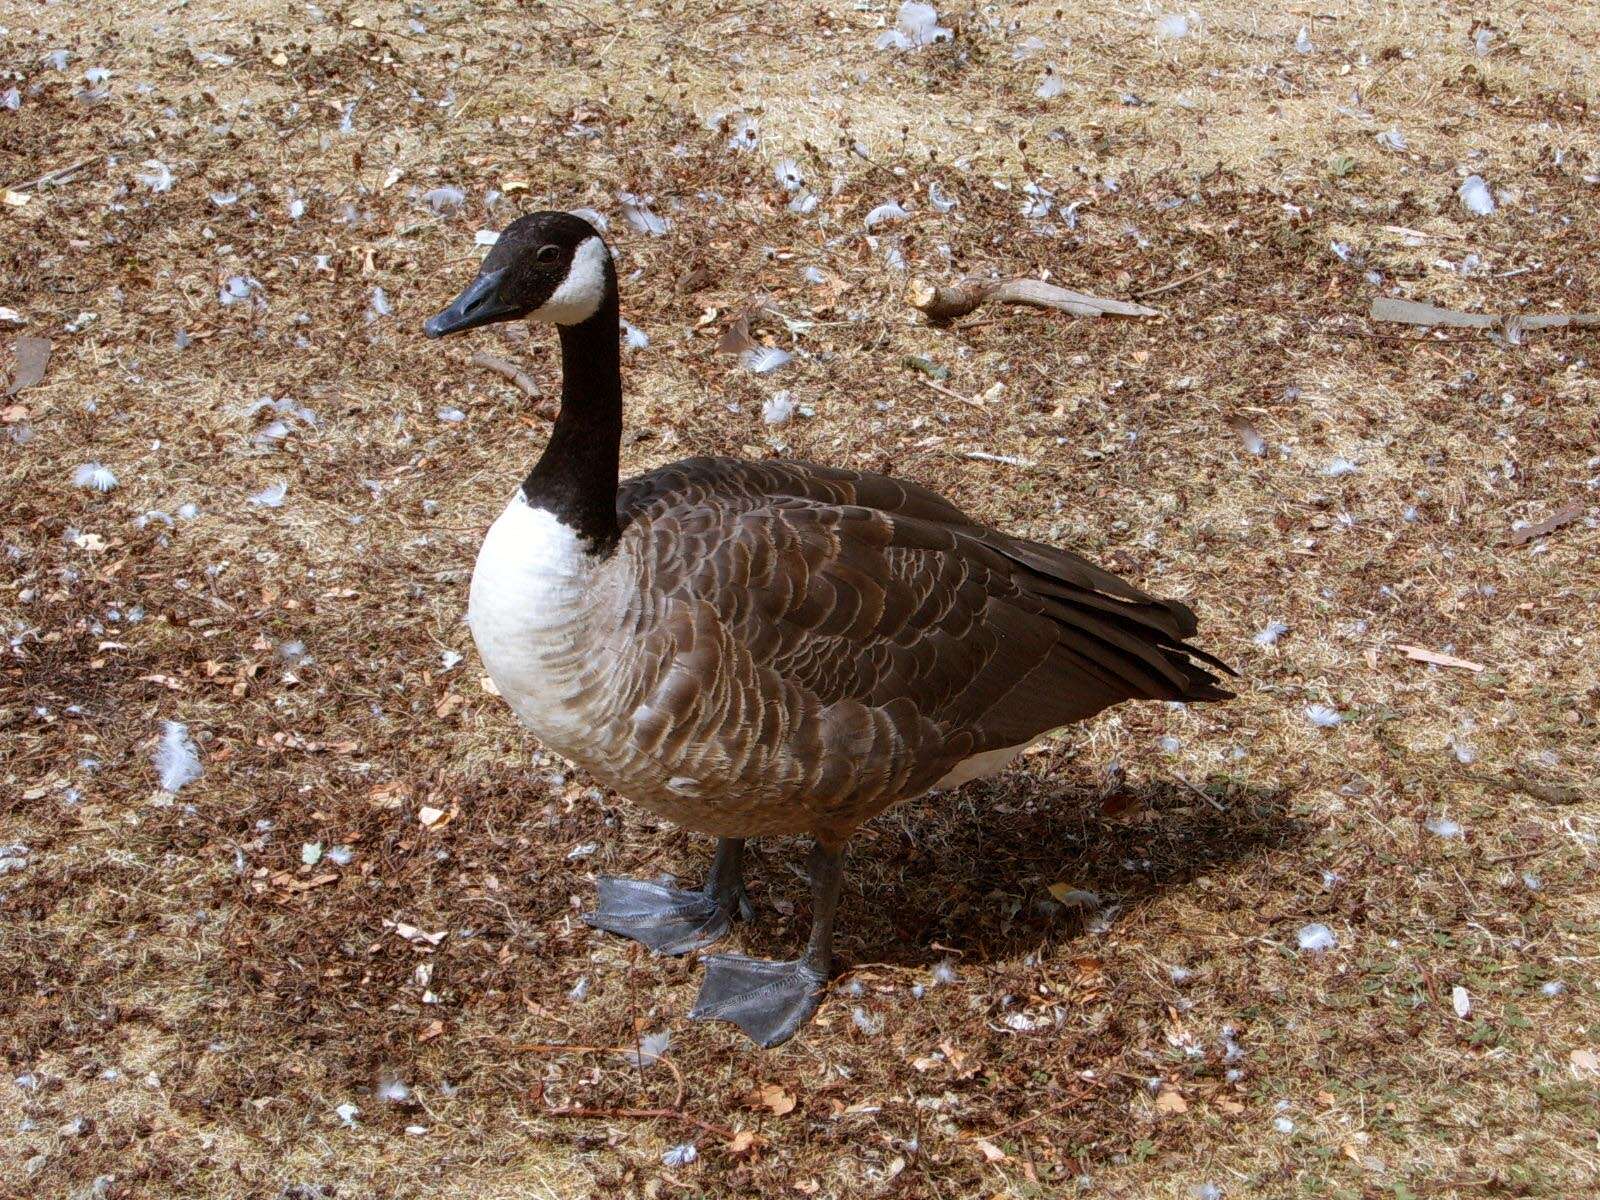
(547,266)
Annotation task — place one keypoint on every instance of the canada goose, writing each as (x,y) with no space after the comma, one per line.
(753,648)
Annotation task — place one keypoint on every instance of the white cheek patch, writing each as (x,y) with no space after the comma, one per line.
(581,292)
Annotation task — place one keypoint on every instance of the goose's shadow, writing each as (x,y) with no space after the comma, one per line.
(972,871)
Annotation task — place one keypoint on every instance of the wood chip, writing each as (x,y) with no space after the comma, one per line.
(32,355)
(1562,516)
(1422,654)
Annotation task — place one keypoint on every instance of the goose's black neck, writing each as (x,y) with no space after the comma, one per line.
(576,477)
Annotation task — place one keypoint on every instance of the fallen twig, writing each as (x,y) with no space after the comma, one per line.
(942,304)
(59,175)
(1174,283)
(1437,658)
(1520,781)
(507,370)
(1513,325)
(944,391)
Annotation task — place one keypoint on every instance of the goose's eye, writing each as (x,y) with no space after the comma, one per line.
(548,254)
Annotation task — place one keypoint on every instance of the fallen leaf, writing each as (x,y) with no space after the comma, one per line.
(742,1142)
(1071,897)
(773,1098)
(990,1151)
(429,815)
(1422,654)
(736,337)
(32,355)
(1232,1107)
(1169,1101)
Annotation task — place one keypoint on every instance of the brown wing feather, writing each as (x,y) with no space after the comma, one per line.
(844,638)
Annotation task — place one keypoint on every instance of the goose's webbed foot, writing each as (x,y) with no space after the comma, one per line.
(670,920)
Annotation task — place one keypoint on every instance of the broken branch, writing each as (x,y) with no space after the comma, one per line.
(1513,325)
(942,304)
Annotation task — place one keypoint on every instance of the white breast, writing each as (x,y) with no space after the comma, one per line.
(526,610)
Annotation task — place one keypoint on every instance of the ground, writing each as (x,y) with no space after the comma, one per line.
(371,895)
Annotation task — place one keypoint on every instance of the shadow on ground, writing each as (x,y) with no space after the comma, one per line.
(971,874)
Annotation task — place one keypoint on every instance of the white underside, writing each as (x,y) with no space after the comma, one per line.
(526,611)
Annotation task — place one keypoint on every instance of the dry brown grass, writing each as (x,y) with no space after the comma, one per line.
(132,945)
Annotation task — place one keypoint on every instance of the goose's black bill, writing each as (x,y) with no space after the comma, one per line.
(483,303)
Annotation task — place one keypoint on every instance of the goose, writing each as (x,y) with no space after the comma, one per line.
(769,648)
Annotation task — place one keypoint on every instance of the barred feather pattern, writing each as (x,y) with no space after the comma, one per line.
(783,648)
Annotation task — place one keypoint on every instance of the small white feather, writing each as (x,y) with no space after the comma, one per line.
(680,1155)
(271,496)
(156,176)
(763,360)
(1316,938)
(1323,717)
(176,758)
(1051,86)
(636,210)
(444,199)
(594,216)
(95,477)
(778,408)
(1173,25)
(650,1048)
(1475,196)
(890,211)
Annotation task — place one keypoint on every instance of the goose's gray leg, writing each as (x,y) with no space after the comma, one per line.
(771,1000)
(670,920)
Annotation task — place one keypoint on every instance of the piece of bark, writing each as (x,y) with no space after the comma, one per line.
(32,355)
(1410,312)
(945,303)
(1562,516)
(507,370)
